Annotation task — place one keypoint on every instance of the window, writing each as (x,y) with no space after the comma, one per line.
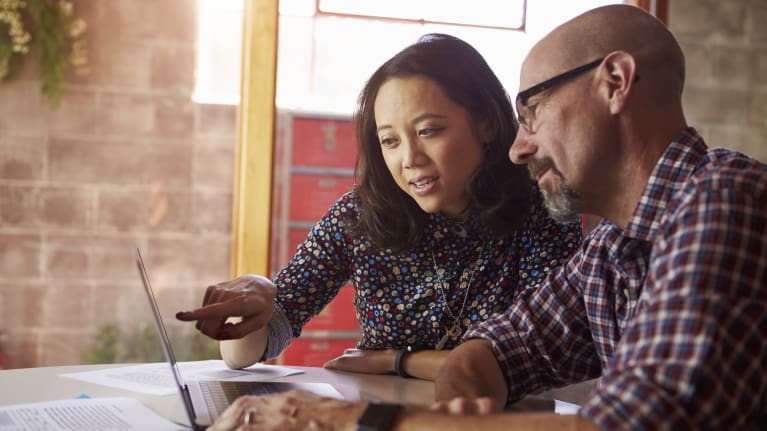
(328,48)
(219,52)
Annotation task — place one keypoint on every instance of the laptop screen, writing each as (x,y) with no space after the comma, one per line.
(166,347)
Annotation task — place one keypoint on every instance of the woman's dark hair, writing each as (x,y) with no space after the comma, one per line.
(499,190)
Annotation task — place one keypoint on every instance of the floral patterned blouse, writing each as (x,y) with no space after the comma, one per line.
(400,299)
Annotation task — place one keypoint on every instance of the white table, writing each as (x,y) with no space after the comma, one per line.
(29,385)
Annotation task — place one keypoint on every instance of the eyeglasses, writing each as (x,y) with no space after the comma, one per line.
(525,113)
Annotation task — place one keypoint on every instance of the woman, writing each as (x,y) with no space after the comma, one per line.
(441,232)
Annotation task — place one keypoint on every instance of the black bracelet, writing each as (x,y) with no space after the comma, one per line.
(398,368)
(378,416)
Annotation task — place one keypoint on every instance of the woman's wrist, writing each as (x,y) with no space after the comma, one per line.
(399,366)
(399,360)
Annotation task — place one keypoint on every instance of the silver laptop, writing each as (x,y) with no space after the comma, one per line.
(205,400)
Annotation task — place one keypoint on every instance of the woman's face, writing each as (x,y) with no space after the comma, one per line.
(429,143)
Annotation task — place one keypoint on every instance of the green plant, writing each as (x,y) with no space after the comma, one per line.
(141,344)
(49,29)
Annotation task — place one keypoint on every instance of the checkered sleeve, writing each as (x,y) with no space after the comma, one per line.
(543,340)
(694,355)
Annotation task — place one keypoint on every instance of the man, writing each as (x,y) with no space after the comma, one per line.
(667,300)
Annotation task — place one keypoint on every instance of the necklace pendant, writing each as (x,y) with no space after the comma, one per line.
(450,334)
(442,342)
(455,330)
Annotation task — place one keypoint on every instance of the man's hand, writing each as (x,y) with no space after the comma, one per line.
(294,410)
(467,406)
(471,371)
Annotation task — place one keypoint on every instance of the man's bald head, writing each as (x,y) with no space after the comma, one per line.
(603,30)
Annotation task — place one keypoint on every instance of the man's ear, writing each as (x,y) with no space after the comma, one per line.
(619,76)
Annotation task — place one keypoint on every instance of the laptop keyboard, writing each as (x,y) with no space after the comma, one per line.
(219,394)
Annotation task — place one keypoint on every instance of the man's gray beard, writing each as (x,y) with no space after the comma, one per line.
(562,204)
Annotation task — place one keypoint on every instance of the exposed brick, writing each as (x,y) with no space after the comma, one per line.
(21,304)
(95,161)
(21,158)
(172,68)
(698,67)
(65,207)
(27,206)
(217,120)
(121,302)
(174,117)
(213,165)
(122,210)
(716,105)
(710,20)
(212,212)
(18,205)
(28,110)
(169,164)
(757,31)
(758,109)
(79,112)
(726,70)
(171,300)
(164,20)
(68,305)
(731,67)
(20,255)
(128,114)
(66,263)
(120,162)
(90,256)
(63,348)
(760,71)
(113,167)
(155,208)
(23,348)
(194,263)
(170,211)
(117,62)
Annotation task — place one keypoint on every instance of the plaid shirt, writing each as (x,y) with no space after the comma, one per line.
(671,312)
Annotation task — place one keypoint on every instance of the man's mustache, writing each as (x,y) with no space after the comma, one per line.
(534,167)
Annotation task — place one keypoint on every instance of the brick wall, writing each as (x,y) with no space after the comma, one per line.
(725,43)
(127,160)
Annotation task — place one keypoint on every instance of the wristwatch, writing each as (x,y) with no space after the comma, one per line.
(378,416)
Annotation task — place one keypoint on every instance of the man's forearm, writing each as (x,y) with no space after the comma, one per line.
(471,371)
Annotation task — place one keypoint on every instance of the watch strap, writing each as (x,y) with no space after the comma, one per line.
(398,368)
(378,416)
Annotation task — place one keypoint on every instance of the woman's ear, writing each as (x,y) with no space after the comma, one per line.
(488,130)
(619,76)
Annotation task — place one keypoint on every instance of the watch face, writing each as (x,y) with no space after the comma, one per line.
(378,416)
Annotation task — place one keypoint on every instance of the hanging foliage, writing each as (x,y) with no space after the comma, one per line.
(48,30)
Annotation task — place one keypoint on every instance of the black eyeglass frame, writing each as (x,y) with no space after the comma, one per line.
(524,96)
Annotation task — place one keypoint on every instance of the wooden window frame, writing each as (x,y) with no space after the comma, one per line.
(661,8)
